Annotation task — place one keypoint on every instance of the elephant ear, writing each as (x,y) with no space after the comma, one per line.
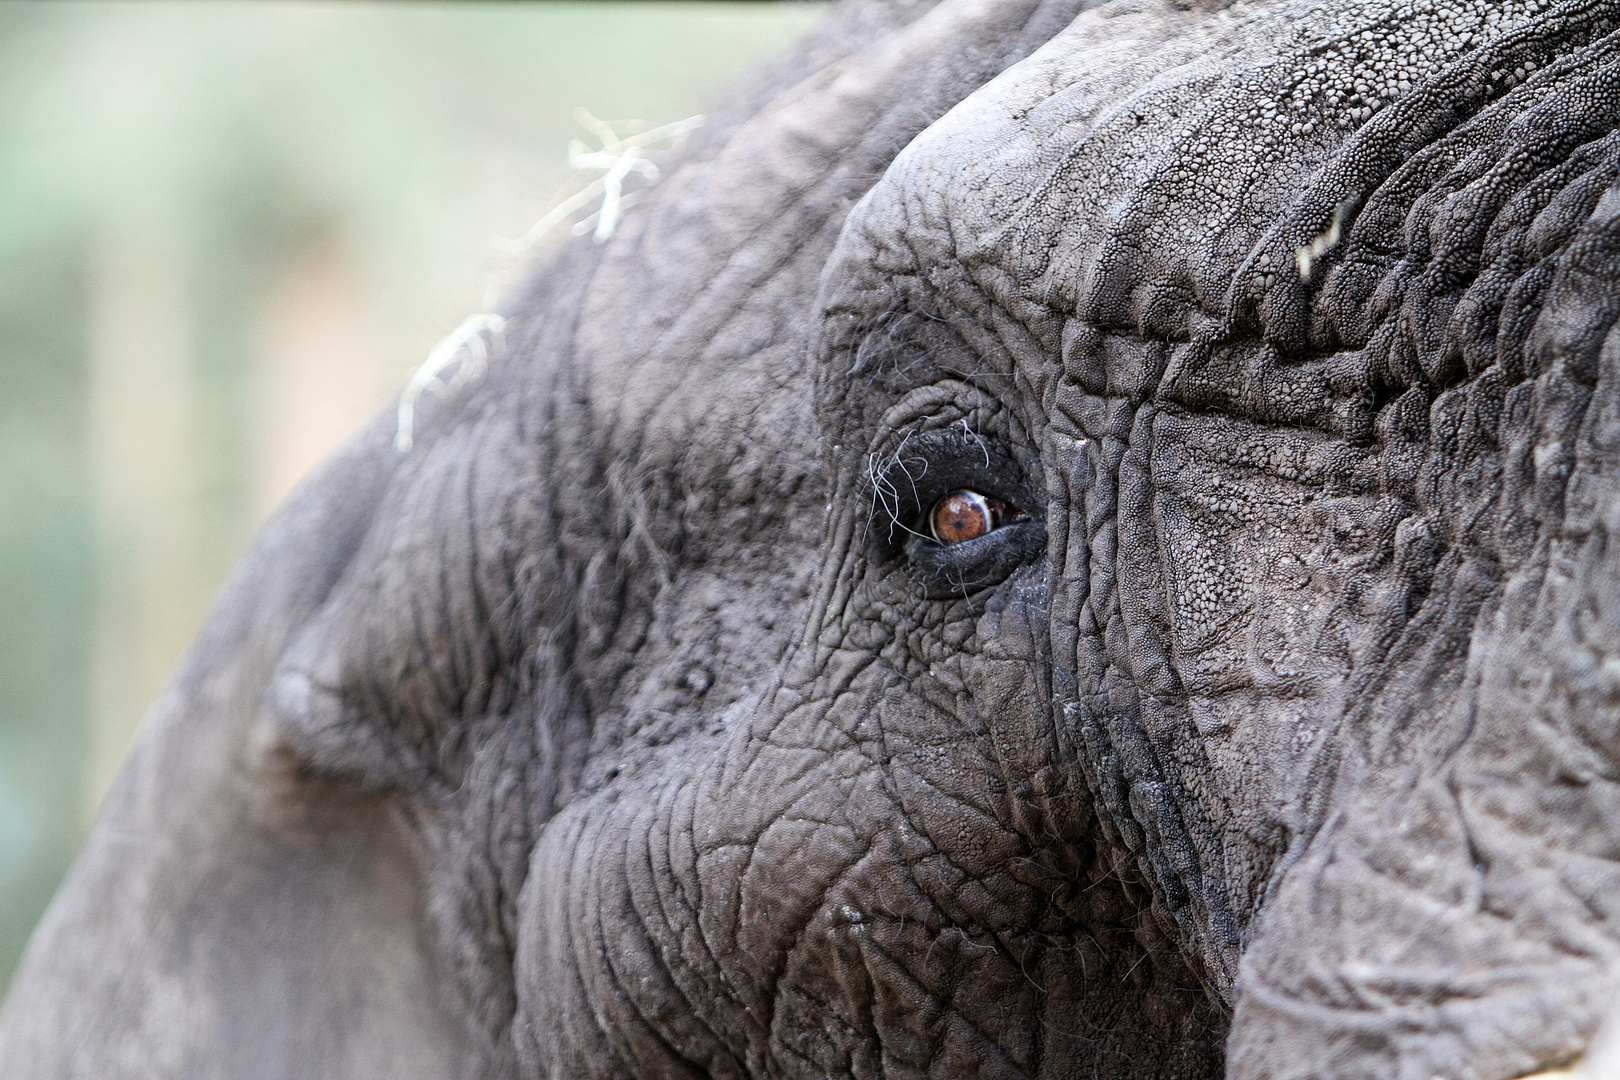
(228,897)
(310,864)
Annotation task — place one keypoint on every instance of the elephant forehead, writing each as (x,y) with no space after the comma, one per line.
(1123,173)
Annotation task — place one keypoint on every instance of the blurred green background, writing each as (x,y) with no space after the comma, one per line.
(228,233)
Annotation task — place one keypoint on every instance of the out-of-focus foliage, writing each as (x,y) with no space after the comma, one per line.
(206,211)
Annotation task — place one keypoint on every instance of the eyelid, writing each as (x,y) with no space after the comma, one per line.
(956,570)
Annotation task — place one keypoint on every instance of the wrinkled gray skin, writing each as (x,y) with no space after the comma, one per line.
(622,730)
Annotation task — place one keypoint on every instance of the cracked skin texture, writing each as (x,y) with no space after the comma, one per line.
(622,730)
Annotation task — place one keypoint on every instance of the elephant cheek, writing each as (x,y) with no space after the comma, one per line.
(694,918)
(597,962)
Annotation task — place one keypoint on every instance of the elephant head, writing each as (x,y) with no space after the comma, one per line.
(1064,539)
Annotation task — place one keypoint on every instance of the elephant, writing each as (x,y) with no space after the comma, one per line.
(1061,538)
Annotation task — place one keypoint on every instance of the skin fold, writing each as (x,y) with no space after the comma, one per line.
(632,724)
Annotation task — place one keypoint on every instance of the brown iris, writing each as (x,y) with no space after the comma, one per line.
(968,515)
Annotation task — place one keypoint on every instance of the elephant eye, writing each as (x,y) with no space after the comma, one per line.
(967,515)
